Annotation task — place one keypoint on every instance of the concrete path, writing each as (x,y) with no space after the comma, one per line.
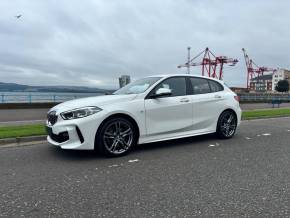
(22,114)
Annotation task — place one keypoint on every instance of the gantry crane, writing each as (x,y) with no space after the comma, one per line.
(212,66)
(253,70)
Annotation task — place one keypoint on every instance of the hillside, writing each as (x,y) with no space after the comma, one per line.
(13,87)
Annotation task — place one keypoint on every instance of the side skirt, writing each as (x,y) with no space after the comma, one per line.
(145,140)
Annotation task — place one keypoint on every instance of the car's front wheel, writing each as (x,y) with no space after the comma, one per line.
(116,137)
(227,125)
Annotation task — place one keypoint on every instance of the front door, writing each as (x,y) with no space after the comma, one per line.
(169,114)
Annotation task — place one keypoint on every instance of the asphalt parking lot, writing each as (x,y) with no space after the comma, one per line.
(247,176)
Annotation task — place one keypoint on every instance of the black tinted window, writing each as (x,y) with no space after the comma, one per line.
(215,86)
(177,85)
(200,86)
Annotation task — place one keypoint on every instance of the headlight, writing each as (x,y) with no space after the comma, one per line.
(80,113)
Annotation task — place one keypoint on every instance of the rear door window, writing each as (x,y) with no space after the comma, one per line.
(200,85)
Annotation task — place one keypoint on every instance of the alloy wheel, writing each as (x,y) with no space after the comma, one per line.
(118,137)
(228,124)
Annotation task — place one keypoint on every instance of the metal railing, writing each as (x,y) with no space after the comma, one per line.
(47,98)
(263,97)
(40,98)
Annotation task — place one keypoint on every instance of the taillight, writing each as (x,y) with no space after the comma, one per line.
(237,98)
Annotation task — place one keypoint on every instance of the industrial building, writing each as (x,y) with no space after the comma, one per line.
(261,83)
(124,80)
(238,89)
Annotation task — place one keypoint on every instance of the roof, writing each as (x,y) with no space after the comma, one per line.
(179,74)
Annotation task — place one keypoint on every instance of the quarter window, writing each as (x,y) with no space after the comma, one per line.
(177,85)
(215,86)
(200,86)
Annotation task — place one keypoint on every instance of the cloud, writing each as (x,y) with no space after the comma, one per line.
(93,42)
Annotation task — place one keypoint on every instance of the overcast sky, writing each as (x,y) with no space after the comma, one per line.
(93,42)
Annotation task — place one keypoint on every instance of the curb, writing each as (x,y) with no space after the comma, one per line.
(22,141)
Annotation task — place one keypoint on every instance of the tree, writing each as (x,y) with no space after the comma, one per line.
(282,86)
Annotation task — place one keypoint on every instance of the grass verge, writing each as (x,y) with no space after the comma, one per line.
(21,131)
(265,113)
(39,129)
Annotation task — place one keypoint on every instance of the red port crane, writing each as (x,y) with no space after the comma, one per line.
(253,70)
(212,66)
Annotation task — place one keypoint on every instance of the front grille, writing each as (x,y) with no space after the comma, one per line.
(60,138)
(52,118)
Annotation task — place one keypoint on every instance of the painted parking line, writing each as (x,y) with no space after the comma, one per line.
(132,161)
(214,145)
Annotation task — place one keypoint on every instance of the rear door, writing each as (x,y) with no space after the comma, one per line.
(171,114)
(207,101)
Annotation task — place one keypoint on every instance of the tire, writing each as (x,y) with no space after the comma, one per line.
(227,125)
(116,137)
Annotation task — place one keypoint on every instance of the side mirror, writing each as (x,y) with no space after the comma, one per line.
(161,92)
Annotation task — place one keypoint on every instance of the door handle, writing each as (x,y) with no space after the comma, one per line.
(184,100)
(217,96)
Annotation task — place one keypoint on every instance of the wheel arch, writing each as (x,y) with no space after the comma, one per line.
(228,109)
(120,115)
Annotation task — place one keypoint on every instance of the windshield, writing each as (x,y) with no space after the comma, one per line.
(137,87)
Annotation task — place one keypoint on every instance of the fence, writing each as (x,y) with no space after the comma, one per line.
(43,98)
(40,98)
(251,97)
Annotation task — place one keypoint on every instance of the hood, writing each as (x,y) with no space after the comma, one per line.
(98,101)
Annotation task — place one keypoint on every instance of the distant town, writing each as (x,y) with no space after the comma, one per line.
(265,83)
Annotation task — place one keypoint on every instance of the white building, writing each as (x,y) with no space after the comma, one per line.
(278,75)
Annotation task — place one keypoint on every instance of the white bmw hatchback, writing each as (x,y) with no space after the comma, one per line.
(151,109)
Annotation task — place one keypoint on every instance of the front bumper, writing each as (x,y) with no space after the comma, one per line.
(78,134)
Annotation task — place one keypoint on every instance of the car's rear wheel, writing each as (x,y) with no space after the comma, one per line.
(227,125)
(116,137)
